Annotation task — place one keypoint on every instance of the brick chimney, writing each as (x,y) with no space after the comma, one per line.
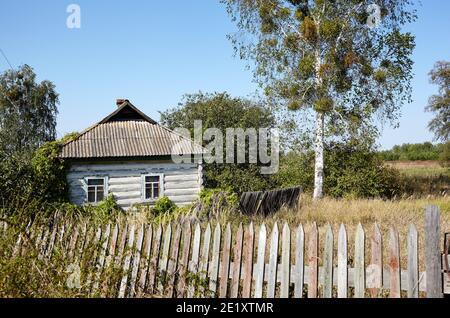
(120,101)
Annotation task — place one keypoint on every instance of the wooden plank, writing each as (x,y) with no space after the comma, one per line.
(273,262)
(342,275)
(111,254)
(433,252)
(413,263)
(126,262)
(102,255)
(359,271)
(73,242)
(374,279)
(145,260)
(153,269)
(164,261)
(313,261)
(172,264)
(204,258)
(194,263)
(136,261)
(237,257)
(92,261)
(259,266)
(52,240)
(299,262)
(285,261)
(213,272)
(394,264)
(249,238)
(225,263)
(328,264)
(184,260)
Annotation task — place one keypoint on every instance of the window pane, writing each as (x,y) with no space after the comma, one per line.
(95,181)
(152,179)
(148,191)
(91,195)
(156,190)
(100,194)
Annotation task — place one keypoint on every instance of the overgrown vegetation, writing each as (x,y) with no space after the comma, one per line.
(413,152)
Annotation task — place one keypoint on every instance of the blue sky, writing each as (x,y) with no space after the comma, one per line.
(153,52)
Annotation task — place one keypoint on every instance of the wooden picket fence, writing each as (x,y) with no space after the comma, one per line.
(197,260)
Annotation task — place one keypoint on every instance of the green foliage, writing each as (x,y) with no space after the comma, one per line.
(28,111)
(358,172)
(216,202)
(104,211)
(444,157)
(439,104)
(351,171)
(50,172)
(222,111)
(163,206)
(412,152)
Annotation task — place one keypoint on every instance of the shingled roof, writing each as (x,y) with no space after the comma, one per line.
(127,132)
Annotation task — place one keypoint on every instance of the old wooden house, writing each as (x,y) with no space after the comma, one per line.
(129,155)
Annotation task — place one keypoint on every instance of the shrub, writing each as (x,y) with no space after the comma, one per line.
(50,172)
(444,157)
(163,205)
(350,170)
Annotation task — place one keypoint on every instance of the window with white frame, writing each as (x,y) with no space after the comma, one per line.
(152,187)
(96,189)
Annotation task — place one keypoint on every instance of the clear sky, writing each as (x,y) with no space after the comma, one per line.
(153,52)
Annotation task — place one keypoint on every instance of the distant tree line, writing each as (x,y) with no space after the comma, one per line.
(414,152)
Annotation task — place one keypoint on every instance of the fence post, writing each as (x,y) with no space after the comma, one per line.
(432,252)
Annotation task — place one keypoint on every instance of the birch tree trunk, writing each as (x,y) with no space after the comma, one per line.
(318,149)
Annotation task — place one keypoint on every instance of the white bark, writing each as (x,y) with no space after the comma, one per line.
(318,145)
(319,164)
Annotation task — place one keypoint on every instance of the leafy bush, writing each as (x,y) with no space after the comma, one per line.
(213,202)
(444,157)
(350,170)
(50,172)
(163,205)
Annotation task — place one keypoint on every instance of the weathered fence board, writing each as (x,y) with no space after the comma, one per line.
(299,262)
(359,263)
(285,261)
(342,274)
(313,261)
(328,264)
(260,263)
(248,261)
(273,262)
(237,256)
(183,259)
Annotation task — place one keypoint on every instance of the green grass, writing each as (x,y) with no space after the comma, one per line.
(425,171)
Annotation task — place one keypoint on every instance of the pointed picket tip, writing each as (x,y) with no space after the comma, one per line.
(286,227)
(412,229)
(217,229)
(359,230)
(275,227)
(300,230)
(208,228)
(393,232)
(228,228)
(342,230)
(329,230)
(197,227)
(262,229)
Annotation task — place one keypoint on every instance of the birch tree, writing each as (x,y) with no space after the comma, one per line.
(347,61)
